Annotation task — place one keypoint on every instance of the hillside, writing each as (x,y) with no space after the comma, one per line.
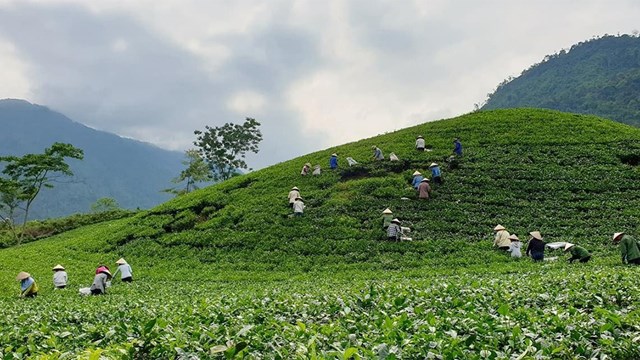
(132,172)
(225,271)
(599,77)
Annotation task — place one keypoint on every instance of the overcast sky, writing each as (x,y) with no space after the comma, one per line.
(314,73)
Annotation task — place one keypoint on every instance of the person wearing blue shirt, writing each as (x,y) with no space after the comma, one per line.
(458,147)
(333,161)
(417,178)
(435,173)
(377,153)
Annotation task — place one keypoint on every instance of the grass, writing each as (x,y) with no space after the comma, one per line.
(230,257)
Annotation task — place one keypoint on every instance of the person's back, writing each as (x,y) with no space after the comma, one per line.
(333,162)
(435,171)
(417,178)
(420,144)
(298,207)
(629,250)
(457,147)
(99,285)
(424,189)
(377,153)
(535,248)
(394,231)
(60,279)
(502,240)
(514,248)
(317,170)
(293,194)
(126,273)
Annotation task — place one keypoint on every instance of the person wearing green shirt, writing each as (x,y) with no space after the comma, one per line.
(628,248)
(577,253)
(387,216)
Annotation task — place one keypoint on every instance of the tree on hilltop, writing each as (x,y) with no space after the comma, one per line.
(225,147)
(24,176)
(197,171)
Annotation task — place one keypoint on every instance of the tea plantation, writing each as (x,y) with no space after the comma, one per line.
(226,272)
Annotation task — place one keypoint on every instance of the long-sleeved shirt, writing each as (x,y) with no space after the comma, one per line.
(125,271)
(394,231)
(60,278)
(420,143)
(514,248)
(424,189)
(457,148)
(535,246)
(578,252)
(416,181)
(293,194)
(502,239)
(100,282)
(629,249)
(333,162)
(377,154)
(298,207)
(435,171)
(28,287)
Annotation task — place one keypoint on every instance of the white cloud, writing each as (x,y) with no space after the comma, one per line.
(14,82)
(247,103)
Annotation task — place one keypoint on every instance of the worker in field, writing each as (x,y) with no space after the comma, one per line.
(628,248)
(417,178)
(420,144)
(306,169)
(394,231)
(424,189)
(457,147)
(298,207)
(501,239)
(577,253)
(28,286)
(436,175)
(536,245)
(99,286)
(377,153)
(316,170)
(126,274)
(514,246)
(452,162)
(333,161)
(59,277)
(293,194)
(387,216)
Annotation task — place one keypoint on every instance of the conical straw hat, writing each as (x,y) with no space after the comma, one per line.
(334,154)
(416,173)
(387,211)
(23,275)
(395,221)
(536,235)
(568,246)
(58,267)
(433,164)
(513,237)
(295,188)
(121,261)
(498,228)
(616,235)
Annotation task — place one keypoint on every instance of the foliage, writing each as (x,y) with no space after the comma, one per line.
(197,171)
(104,204)
(600,77)
(225,272)
(25,176)
(225,147)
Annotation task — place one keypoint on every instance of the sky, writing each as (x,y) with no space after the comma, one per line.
(315,73)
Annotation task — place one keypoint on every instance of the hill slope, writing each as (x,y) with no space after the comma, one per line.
(227,269)
(130,171)
(599,77)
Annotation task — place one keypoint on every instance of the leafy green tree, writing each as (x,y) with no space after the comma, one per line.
(23,177)
(225,147)
(105,204)
(197,171)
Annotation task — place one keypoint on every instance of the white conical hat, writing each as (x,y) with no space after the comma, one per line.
(121,261)
(416,173)
(536,235)
(513,237)
(58,267)
(498,228)
(23,275)
(387,211)
(334,154)
(616,235)
(295,188)
(395,221)
(433,164)
(567,246)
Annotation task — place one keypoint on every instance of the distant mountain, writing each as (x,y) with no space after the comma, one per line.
(130,171)
(599,77)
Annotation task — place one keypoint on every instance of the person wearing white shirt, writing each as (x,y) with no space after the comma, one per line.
(420,144)
(293,194)
(126,274)
(298,207)
(59,277)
